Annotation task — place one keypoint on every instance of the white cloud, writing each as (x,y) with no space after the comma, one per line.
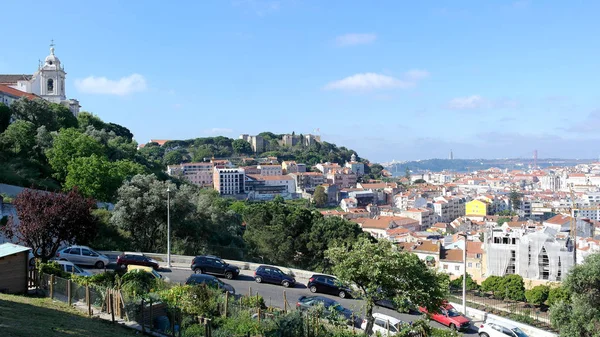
(417,74)
(468,103)
(219,131)
(355,39)
(478,102)
(102,85)
(368,81)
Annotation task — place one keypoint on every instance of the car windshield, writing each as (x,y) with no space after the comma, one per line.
(157,275)
(77,269)
(519,332)
(336,307)
(453,313)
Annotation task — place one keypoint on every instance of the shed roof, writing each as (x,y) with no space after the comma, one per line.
(7,249)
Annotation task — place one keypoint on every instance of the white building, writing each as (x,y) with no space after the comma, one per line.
(48,82)
(356,167)
(229,181)
(270,170)
(199,174)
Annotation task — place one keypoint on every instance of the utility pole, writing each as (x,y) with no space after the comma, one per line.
(168,228)
(464,289)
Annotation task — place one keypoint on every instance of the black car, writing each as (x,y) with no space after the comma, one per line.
(269,274)
(210,281)
(214,265)
(307,302)
(328,285)
(136,259)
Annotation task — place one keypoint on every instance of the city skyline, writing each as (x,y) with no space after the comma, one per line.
(392,81)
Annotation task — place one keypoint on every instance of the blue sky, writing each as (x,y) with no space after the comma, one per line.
(391,79)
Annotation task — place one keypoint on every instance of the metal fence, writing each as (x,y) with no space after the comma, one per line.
(515,310)
(64,290)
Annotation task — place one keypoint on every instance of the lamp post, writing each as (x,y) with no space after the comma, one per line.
(464,289)
(168,227)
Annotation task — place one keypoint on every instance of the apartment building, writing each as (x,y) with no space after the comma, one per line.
(342,178)
(199,174)
(229,181)
(307,181)
(446,209)
(423,215)
(325,168)
(270,170)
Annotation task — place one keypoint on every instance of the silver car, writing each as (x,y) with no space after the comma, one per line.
(82,255)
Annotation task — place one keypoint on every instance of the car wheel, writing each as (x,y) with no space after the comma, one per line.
(313,289)
(452,327)
(122,266)
(197,271)
(286,284)
(342,294)
(229,275)
(258,279)
(100,265)
(483,334)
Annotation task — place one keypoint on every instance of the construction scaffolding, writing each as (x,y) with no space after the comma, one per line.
(529,253)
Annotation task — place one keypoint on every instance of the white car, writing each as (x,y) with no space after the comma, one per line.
(499,329)
(382,323)
(82,255)
(71,268)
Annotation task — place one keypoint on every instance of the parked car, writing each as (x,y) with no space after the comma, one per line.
(138,259)
(307,302)
(82,255)
(269,274)
(214,265)
(407,307)
(499,329)
(210,281)
(450,317)
(328,285)
(71,268)
(148,270)
(384,324)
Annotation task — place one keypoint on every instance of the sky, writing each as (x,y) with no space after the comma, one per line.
(393,80)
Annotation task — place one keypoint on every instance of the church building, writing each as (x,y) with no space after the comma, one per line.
(48,82)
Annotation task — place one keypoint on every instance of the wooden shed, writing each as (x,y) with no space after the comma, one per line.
(13,268)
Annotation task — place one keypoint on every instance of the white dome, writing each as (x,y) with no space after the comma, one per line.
(52,59)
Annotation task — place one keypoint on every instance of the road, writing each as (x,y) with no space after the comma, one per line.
(273,295)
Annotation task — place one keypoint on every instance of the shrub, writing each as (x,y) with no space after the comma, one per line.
(240,325)
(193,330)
(458,283)
(137,283)
(197,300)
(53,268)
(490,284)
(556,295)
(537,295)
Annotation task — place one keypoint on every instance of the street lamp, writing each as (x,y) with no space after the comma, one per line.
(168,228)
(464,290)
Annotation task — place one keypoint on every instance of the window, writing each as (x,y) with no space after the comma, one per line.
(50,86)
(445,267)
(477,265)
(457,268)
(86,252)
(68,268)
(75,251)
(470,264)
(478,256)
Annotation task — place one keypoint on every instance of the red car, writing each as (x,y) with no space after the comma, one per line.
(137,259)
(448,316)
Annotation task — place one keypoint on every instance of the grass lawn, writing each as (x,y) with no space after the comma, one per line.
(42,317)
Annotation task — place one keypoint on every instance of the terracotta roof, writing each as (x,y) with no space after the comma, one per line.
(397,231)
(384,222)
(474,247)
(440,225)
(15,92)
(160,142)
(379,185)
(427,246)
(452,255)
(13,79)
(515,224)
(559,219)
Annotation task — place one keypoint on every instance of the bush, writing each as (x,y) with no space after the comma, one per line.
(240,325)
(193,330)
(197,300)
(53,268)
(490,284)
(458,283)
(537,295)
(138,283)
(512,287)
(556,295)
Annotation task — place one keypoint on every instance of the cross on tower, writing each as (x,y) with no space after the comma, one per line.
(52,43)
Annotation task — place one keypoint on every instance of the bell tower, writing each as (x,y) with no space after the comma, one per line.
(52,78)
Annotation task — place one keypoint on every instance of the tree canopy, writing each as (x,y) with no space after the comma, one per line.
(49,220)
(381,271)
(578,313)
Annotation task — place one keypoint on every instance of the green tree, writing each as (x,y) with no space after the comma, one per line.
(174,157)
(501,221)
(420,181)
(141,211)
(515,199)
(4,117)
(458,283)
(407,175)
(36,111)
(86,119)
(320,197)
(580,314)
(511,287)
(19,138)
(63,116)
(241,146)
(378,270)
(490,284)
(556,295)
(70,144)
(537,295)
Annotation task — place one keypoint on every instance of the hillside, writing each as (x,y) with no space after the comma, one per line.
(201,149)
(36,317)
